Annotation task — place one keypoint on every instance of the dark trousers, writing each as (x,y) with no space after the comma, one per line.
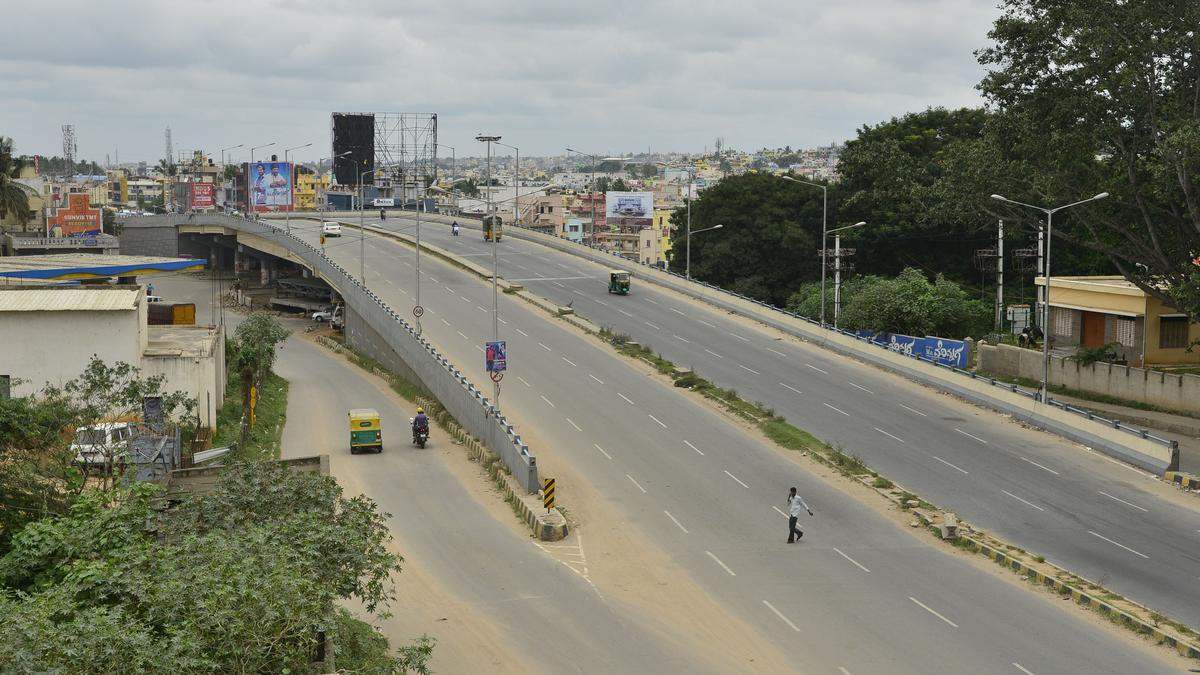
(793,531)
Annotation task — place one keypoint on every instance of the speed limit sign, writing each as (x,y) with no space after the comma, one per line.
(418,311)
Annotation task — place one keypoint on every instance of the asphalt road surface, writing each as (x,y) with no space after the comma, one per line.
(858,595)
(1099,518)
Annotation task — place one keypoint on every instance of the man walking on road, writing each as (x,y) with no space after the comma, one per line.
(795,504)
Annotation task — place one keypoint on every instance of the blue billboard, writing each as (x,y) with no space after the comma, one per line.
(271,186)
(945,351)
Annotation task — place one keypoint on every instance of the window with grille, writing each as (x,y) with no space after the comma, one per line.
(1126,333)
(1173,332)
(1064,321)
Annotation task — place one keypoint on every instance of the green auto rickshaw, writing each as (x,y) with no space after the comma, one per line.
(365,433)
(618,282)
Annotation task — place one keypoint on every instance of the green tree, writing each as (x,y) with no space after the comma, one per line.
(254,351)
(467,186)
(619,185)
(768,243)
(910,305)
(14,198)
(608,166)
(1096,97)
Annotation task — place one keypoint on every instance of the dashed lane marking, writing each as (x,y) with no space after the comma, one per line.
(523,381)
(739,481)
(816,368)
(572,423)
(1023,501)
(912,410)
(626,398)
(677,523)
(743,339)
(927,608)
(948,464)
(522,332)
(1021,668)
(1095,534)
(687,443)
(639,485)
(970,435)
(859,386)
(889,435)
(723,565)
(706,323)
(781,616)
(677,311)
(602,451)
(1125,502)
(596,378)
(651,325)
(749,369)
(681,339)
(1040,466)
(852,560)
(773,351)
(838,410)
(569,361)
(460,333)
(788,386)
(545,347)
(548,401)
(656,420)
(714,353)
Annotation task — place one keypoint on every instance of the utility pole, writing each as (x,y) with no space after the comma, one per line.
(1000,278)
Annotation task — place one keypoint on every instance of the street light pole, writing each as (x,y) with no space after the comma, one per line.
(495,255)
(232,147)
(516,182)
(321,163)
(837,268)
(1046,275)
(287,219)
(824,233)
(453,162)
(249,168)
(362,232)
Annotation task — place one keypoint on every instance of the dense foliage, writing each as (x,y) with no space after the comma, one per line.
(240,580)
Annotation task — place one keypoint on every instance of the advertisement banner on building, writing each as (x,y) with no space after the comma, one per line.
(78,219)
(629,209)
(271,186)
(203,195)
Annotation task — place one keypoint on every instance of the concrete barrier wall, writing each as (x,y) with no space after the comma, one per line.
(430,369)
(1176,392)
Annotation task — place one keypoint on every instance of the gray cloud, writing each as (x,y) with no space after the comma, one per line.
(610,77)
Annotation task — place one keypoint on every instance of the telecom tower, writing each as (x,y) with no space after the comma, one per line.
(69,146)
(170,154)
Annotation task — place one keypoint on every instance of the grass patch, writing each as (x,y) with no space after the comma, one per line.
(265,438)
(511,290)
(883,483)
(1084,394)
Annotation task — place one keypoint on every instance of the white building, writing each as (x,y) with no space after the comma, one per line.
(49,334)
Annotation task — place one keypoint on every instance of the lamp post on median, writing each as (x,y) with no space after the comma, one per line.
(287,218)
(687,265)
(249,168)
(232,147)
(516,182)
(1046,275)
(362,232)
(824,233)
(837,269)
(495,252)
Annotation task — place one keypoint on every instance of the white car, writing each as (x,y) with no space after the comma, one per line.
(331,229)
(330,315)
(100,443)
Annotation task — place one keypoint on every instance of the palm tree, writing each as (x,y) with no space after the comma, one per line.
(168,169)
(13,197)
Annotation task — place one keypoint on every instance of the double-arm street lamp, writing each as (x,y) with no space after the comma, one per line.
(321,163)
(249,170)
(453,162)
(516,182)
(362,231)
(287,219)
(232,147)
(1046,275)
(687,265)
(837,269)
(824,233)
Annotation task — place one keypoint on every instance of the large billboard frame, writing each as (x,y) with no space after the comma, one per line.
(629,209)
(269,186)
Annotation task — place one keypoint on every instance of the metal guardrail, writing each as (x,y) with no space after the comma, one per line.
(458,395)
(1033,395)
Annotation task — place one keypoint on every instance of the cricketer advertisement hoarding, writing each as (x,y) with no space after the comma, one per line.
(203,195)
(629,209)
(271,186)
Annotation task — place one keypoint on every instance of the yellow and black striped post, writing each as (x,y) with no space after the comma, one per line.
(548,493)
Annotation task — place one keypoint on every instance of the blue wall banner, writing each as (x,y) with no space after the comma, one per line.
(905,344)
(945,351)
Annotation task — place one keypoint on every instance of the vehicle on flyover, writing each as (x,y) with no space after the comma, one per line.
(618,282)
(365,431)
(492,227)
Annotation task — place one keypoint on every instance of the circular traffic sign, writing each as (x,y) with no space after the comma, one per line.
(496,376)
(418,311)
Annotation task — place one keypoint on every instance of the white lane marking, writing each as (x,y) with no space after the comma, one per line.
(687,443)
(602,451)
(681,339)
(1123,465)
(841,411)
(912,410)
(651,325)
(569,361)
(523,381)
(856,563)
(602,303)
(889,435)
(970,435)
(432,279)
(577,292)
(787,386)
(1023,501)
(677,311)
(675,521)
(445,322)
(402,291)
(545,347)
(639,485)
(777,352)
(749,369)
(502,321)
(816,368)
(596,378)
(464,298)
(548,401)
(461,334)
(739,482)
(723,565)
(859,386)
(485,311)
(948,464)
(572,423)
(626,398)
(390,282)
(927,608)
(650,301)
(1043,468)
(1021,668)
(1125,502)
(1094,534)
(743,339)
(558,284)
(781,616)
(841,670)
(656,420)
(625,313)
(478,347)
(706,323)
(779,512)
(714,353)
(522,332)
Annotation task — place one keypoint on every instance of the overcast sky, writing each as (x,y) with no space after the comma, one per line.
(605,77)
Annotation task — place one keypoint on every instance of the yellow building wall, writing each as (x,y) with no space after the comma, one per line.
(1155,355)
(307,188)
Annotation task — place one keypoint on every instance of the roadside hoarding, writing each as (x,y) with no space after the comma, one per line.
(203,195)
(78,219)
(496,357)
(271,186)
(629,209)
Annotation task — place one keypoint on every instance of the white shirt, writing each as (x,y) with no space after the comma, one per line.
(797,506)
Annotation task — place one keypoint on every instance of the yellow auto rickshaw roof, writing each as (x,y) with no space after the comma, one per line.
(617,272)
(363,413)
